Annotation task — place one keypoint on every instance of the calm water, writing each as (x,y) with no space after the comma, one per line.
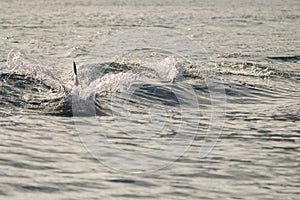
(253,48)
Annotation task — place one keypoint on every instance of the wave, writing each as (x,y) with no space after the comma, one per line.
(295,58)
(29,86)
(24,93)
(252,69)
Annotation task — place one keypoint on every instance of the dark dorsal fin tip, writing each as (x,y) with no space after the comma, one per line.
(75,68)
(75,74)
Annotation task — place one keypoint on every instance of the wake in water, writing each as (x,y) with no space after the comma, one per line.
(29,86)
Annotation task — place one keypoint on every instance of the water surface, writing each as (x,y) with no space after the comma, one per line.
(255,47)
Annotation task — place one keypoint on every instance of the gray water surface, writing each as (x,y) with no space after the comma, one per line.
(255,46)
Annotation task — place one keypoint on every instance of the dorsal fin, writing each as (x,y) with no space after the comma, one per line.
(75,74)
